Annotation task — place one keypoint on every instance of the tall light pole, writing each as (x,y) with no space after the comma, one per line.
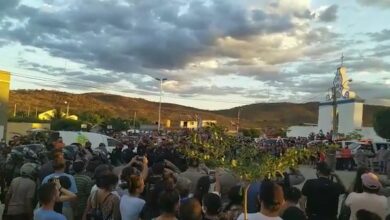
(238,120)
(135,116)
(67,108)
(159,107)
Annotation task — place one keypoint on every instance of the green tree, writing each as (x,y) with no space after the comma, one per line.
(118,124)
(382,123)
(252,132)
(354,135)
(90,117)
(65,125)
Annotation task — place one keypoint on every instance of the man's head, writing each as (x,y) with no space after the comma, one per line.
(292,194)
(271,196)
(78,166)
(212,204)
(169,201)
(191,210)
(88,144)
(29,170)
(371,183)
(101,170)
(193,162)
(107,181)
(323,169)
(55,154)
(48,193)
(59,165)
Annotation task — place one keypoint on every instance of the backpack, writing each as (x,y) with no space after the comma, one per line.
(96,213)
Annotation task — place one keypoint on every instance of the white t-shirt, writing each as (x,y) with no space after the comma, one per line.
(131,207)
(95,188)
(367,201)
(258,216)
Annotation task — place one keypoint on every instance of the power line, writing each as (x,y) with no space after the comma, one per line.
(87,85)
(99,88)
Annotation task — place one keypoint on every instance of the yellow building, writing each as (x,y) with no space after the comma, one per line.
(195,124)
(49,115)
(189,124)
(5,78)
(208,123)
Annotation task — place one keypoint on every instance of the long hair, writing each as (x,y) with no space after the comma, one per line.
(202,188)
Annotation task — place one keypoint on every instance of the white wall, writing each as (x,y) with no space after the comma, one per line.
(350,116)
(301,131)
(325,115)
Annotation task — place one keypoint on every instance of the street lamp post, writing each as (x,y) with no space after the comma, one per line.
(159,107)
(67,108)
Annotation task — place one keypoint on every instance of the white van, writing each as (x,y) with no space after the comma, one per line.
(70,137)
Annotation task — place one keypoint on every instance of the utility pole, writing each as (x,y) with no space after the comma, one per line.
(15,110)
(36,112)
(334,98)
(135,116)
(28,112)
(238,120)
(67,108)
(159,107)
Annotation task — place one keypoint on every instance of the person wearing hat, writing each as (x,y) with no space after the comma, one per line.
(369,199)
(19,199)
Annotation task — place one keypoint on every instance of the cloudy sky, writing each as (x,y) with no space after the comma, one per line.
(215,53)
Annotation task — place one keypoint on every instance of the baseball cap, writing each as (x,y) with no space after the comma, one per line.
(371,181)
(29,170)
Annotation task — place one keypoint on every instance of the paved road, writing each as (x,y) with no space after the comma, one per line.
(346,176)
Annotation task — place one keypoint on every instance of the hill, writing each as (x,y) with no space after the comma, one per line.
(254,115)
(287,114)
(106,105)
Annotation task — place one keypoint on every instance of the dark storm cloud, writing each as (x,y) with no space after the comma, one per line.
(372,90)
(102,78)
(379,3)
(50,70)
(143,34)
(369,64)
(6,5)
(329,14)
(383,35)
(320,35)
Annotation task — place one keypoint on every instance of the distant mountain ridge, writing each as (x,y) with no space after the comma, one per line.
(255,115)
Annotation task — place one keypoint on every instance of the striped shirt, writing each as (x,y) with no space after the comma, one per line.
(84,184)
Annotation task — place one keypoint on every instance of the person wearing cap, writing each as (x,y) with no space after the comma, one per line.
(369,199)
(19,199)
(321,196)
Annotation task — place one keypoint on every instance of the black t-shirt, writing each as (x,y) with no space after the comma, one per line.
(322,197)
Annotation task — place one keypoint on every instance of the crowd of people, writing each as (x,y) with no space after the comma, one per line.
(147,177)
